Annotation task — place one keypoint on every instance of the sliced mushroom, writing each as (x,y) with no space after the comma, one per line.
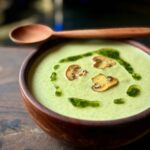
(103,62)
(103,83)
(73,71)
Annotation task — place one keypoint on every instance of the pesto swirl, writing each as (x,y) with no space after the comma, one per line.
(82,103)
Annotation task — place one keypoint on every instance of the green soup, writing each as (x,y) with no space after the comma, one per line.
(76,97)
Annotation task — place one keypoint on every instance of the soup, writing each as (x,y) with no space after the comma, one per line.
(92,80)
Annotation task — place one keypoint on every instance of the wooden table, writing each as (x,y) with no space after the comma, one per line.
(17,130)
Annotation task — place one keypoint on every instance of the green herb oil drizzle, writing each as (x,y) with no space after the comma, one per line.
(56,67)
(77,57)
(53,78)
(133,90)
(119,101)
(58,91)
(82,103)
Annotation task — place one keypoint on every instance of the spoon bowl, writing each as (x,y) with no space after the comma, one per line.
(32,33)
(36,33)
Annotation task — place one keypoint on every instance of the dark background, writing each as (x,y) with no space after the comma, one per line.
(77,14)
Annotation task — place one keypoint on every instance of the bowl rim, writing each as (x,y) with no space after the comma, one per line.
(27,94)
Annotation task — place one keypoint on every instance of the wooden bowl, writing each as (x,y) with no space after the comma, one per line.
(82,133)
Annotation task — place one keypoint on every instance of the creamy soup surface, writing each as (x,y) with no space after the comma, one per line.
(92,80)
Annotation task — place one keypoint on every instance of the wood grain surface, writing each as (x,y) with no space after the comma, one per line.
(17,130)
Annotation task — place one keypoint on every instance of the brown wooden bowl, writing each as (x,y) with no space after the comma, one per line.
(82,133)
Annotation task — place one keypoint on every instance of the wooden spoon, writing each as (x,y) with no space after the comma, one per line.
(35,33)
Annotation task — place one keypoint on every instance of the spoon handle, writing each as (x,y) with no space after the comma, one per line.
(112,33)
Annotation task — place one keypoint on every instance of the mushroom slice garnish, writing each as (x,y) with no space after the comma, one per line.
(103,83)
(73,71)
(103,62)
